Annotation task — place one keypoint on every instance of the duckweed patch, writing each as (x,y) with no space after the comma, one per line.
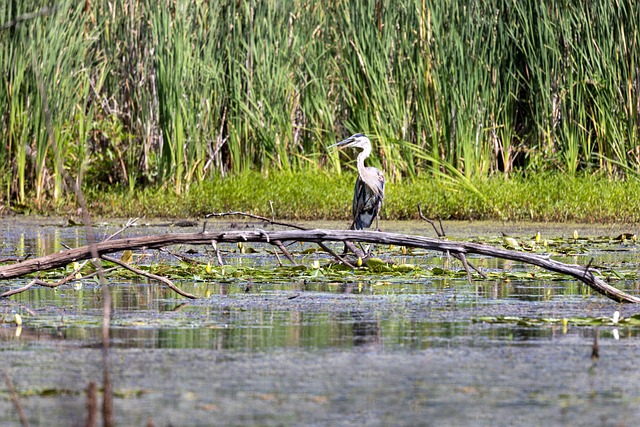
(633,320)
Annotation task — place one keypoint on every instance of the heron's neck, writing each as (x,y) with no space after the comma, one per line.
(366,151)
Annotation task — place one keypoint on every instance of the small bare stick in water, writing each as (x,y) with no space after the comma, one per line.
(595,350)
(16,402)
(92,405)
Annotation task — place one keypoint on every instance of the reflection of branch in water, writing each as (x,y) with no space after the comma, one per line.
(179,307)
(22,306)
(366,332)
(345,288)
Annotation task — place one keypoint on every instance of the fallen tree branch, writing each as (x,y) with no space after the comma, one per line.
(71,277)
(465,264)
(357,252)
(60,259)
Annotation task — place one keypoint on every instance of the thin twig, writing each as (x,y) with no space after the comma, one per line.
(130,223)
(440,233)
(275,252)
(336,256)
(39,282)
(476,269)
(260,217)
(586,269)
(463,258)
(182,257)
(218,256)
(164,280)
(22,289)
(284,250)
(95,273)
(273,212)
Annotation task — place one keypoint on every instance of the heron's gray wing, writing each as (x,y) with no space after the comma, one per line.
(359,198)
(366,205)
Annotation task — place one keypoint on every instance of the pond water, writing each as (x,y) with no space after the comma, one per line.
(281,345)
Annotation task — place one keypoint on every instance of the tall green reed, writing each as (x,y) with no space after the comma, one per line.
(38,57)
(170,92)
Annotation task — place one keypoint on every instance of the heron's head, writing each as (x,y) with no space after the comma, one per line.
(357,140)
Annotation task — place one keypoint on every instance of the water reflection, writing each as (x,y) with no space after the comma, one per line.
(366,331)
(40,241)
(371,312)
(391,349)
(221,327)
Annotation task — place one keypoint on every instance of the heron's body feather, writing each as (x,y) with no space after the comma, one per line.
(367,201)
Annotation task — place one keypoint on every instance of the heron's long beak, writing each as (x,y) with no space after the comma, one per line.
(344,143)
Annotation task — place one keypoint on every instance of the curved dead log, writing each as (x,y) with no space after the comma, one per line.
(60,259)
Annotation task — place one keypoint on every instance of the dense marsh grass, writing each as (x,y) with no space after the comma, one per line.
(307,195)
(169,93)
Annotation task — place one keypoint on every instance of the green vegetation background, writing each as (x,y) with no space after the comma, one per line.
(482,109)
(317,195)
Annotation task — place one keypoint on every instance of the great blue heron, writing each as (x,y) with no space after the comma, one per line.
(369,189)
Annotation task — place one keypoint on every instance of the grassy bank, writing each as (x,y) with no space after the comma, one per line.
(314,195)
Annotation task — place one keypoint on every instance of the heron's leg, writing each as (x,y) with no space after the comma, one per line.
(362,248)
(351,227)
(345,251)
